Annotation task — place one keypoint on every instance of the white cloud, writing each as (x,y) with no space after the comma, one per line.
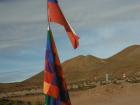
(23,11)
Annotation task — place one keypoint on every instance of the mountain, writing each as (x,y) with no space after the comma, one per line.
(127,61)
(88,67)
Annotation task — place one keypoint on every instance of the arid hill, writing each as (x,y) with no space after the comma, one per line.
(87,68)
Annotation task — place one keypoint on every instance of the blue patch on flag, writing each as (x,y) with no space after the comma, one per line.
(54,1)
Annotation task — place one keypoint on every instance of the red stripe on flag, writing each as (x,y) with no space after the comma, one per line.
(57,61)
(48,77)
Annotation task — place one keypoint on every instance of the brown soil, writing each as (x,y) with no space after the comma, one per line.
(125,94)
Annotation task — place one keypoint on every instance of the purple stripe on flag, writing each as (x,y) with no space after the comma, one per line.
(54,1)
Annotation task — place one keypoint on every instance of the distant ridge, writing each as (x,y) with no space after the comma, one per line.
(132,51)
(88,67)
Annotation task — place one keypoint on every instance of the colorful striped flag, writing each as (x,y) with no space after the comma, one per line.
(55,15)
(55,88)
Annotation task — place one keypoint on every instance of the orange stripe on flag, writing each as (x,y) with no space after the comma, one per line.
(51,90)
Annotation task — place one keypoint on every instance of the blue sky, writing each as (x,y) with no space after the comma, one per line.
(104,26)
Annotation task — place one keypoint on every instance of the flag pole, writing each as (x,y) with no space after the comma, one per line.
(57,92)
(48,15)
(46,98)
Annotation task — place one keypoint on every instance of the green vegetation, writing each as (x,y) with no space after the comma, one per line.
(39,103)
(14,102)
(11,102)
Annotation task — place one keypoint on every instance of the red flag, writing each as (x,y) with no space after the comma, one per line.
(55,15)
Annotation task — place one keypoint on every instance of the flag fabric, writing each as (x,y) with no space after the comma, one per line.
(55,15)
(55,88)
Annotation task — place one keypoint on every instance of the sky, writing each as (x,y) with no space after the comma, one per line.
(105,28)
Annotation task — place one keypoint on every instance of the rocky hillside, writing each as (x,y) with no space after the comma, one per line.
(88,67)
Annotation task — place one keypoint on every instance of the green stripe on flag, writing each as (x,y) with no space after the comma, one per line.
(47,99)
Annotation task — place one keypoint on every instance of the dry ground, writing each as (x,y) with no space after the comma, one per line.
(125,94)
